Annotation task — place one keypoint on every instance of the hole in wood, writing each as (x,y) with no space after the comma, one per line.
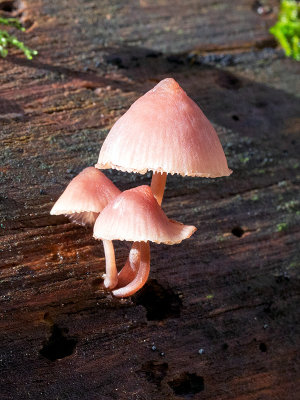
(187,384)
(238,231)
(27,23)
(8,6)
(58,346)
(224,346)
(235,117)
(154,371)
(262,347)
(48,319)
(160,302)
(116,60)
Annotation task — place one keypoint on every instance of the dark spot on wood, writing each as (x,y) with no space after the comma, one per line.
(187,384)
(227,80)
(282,278)
(224,346)
(235,117)
(154,80)
(8,6)
(238,231)
(174,59)
(115,60)
(96,283)
(27,23)
(266,43)
(46,316)
(58,346)
(153,54)
(10,110)
(262,347)
(274,310)
(160,302)
(261,104)
(154,371)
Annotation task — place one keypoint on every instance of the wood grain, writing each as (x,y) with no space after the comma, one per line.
(217,319)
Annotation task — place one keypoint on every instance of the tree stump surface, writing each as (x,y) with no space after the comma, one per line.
(218,317)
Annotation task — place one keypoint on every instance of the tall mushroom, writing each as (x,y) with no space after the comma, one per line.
(164,131)
(136,216)
(82,201)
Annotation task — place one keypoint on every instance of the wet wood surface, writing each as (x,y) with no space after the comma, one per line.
(218,317)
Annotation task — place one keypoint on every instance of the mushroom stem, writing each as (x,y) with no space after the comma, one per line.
(111,277)
(158,184)
(139,256)
(129,271)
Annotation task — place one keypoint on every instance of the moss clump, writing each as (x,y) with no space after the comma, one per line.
(7,40)
(287,28)
(281,227)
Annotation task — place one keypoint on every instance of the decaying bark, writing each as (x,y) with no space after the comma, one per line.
(217,319)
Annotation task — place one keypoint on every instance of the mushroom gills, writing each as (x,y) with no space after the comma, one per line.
(83,218)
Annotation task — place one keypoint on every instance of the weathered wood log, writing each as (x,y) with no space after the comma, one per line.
(218,317)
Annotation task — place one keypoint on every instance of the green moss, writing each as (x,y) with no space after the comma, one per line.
(255,197)
(209,296)
(243,159)
(260,171)
(281,227)
(7,40)
(287,28)
(290,206)
(294,265)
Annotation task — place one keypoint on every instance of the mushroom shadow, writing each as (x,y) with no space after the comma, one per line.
(251,108)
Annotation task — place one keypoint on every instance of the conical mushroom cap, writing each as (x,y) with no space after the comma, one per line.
(136,216)
(86,196)
(164,131)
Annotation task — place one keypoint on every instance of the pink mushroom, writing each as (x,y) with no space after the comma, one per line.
(164,131)
(136,216)
(82,201)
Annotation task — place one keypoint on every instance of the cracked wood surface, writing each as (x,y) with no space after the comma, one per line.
(217,319)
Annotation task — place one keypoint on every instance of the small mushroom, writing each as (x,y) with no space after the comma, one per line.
(82,201)
(135,215)
(164,131)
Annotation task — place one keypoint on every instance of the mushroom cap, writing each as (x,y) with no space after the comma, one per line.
(164,131)
(136,216)
(90,191)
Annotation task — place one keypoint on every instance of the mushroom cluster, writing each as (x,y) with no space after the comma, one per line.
(165,132)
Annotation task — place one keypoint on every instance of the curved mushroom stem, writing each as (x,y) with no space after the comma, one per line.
(158,184)
(111,277)
(129,271)
(140,256)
